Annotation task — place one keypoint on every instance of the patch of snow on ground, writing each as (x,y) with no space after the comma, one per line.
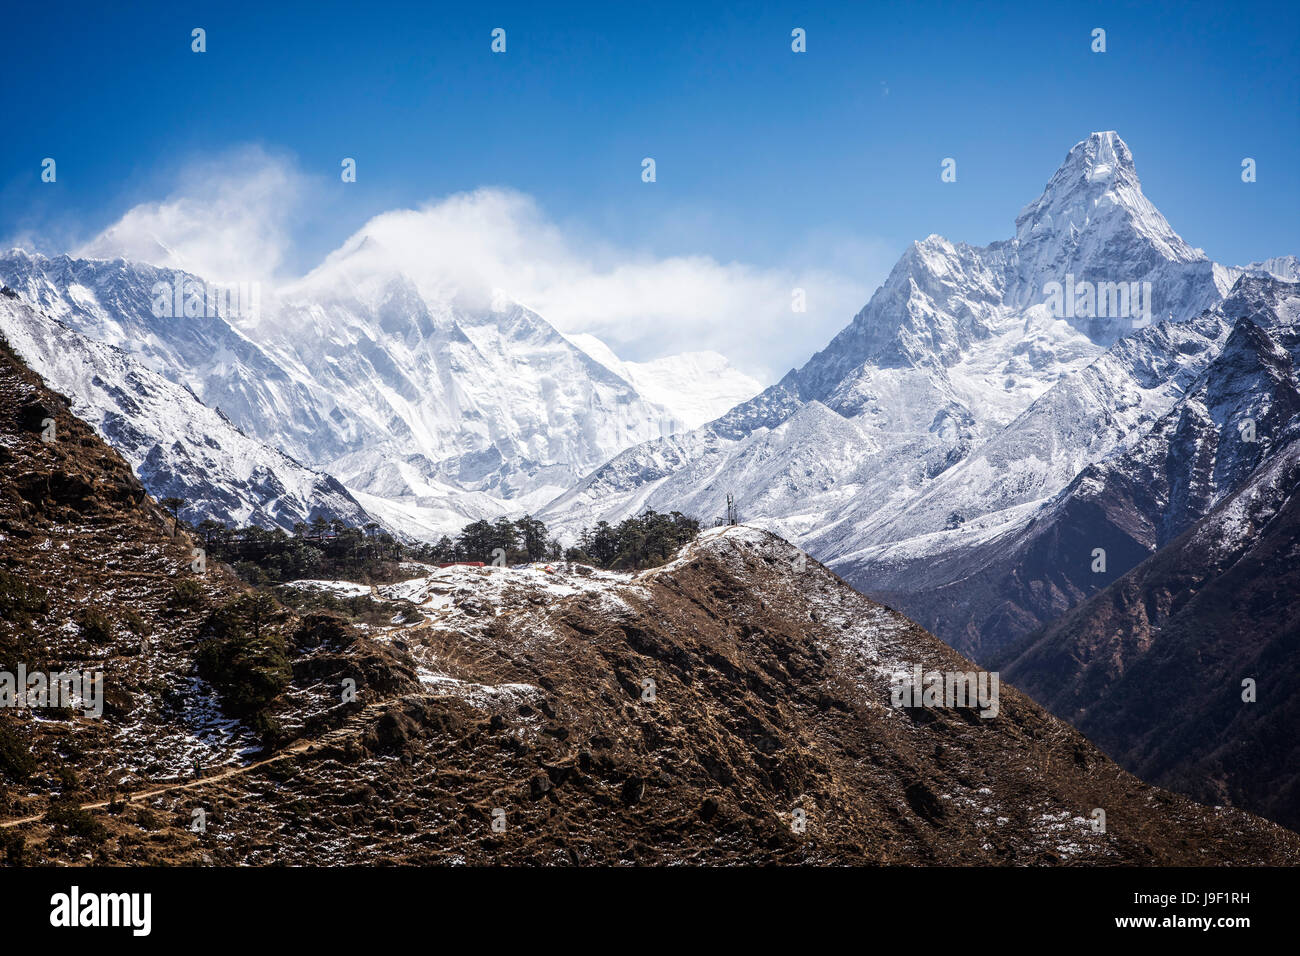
(341,588)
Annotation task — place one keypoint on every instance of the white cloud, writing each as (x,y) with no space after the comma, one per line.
(227,220)
(230,221)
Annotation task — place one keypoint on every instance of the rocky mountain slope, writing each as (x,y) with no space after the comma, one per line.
(94,579)
(1153,667)
(985,583)
(733,706)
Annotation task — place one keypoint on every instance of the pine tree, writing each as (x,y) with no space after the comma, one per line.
(174,506)
(532,537)
(476,541)
(604,544)
(506,537)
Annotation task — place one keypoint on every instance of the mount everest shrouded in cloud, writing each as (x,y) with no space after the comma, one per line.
(933,437)
(433,404)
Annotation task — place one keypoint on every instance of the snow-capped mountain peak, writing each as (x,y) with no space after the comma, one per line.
(957,402)
(1093,226)
(439,403)
(1097,191)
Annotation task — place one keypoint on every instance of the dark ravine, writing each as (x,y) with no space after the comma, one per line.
(771,682)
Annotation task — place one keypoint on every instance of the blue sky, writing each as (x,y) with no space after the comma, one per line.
(828,159)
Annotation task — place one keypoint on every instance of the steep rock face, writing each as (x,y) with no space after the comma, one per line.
(930,368)
(189,338)
(1093,222)
(1082,419)
(176,445)
(1152,667)
(486,397)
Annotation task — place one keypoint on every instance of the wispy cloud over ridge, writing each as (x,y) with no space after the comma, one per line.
(232,218)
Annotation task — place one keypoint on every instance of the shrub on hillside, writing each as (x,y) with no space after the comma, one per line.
(21,600)
(186,595)
(94,625)
(243,655)
(74,821)
(16,760)
(135,623)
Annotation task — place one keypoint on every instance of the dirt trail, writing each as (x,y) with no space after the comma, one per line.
(349,728)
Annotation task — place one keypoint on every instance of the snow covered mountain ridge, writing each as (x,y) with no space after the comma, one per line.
(176,445)
(435,404)
(433,407)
